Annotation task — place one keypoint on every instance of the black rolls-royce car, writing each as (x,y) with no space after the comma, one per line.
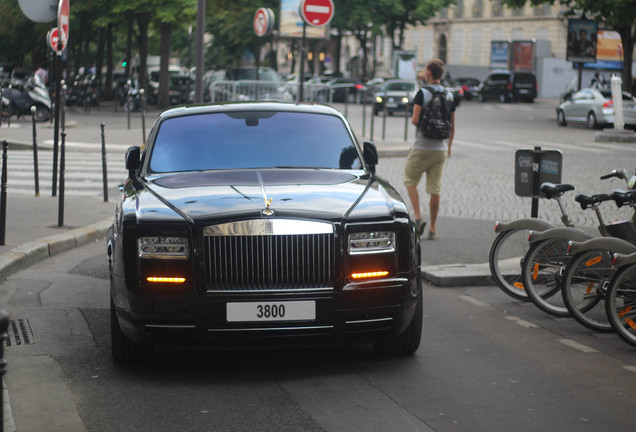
(251,223)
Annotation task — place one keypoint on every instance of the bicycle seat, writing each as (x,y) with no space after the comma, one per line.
(589,200)
(551,190)
(622,197)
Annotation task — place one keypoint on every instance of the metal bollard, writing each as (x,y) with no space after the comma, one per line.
(36,175)
(104,170)
(60,209)
(3,193)
(143,115)
(4,326)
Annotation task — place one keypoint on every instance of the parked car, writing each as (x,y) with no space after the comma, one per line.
(395,95)
(455,88)
(255,223)
(507,86)
(470,86)
(341,89)
(595,107)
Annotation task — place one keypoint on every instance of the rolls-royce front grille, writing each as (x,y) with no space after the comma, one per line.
(270,262)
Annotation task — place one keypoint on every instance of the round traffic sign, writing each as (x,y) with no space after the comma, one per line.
(316,12)
(52,38)
(263,22)
(63,20)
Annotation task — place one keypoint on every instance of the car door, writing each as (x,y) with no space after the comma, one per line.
(577,111)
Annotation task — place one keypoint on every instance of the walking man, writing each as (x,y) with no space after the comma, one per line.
(430,152)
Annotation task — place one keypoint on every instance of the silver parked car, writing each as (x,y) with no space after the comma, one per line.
(594,107)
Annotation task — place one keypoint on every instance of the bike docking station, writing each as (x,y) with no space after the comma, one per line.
(534,167)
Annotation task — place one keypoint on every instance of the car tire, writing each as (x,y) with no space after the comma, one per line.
(482,98)
(503,98)
(561,121)
(592,122)
(409,341)
(123,350)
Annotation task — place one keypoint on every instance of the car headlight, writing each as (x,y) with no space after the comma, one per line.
(378,99)
(371,242)
(405,100)
(163,247)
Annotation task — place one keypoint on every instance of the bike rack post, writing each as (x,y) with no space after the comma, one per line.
(104,170)
(3,193)
(406,118)
(536,182)
(36,175)
(4,326)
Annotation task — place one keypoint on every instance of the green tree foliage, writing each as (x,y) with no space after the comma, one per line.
(23,41)
(618,15)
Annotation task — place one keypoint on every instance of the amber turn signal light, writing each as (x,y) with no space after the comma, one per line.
(367,275)
(163,279)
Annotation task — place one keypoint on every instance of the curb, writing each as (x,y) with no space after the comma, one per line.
(32,252)
(458,275)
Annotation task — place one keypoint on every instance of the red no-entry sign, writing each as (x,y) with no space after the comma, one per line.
(63,20)
(52,39)
(316,12)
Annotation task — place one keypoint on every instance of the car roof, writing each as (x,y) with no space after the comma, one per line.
(248,106)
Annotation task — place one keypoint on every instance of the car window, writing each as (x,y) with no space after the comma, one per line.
(499,77)
(246,140)
(524,78)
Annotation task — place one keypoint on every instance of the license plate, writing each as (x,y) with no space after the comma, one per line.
(391,105)
(524,91)
(271,311)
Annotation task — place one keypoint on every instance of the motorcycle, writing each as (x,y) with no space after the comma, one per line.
(130,96)
(18,101)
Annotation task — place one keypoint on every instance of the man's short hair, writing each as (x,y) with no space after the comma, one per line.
(436,66)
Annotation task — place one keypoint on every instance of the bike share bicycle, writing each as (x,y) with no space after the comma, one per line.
(620,299)
(510,245)
(556,281)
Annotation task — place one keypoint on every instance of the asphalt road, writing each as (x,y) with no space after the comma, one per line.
(486,363)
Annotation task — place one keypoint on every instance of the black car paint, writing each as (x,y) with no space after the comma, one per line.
(184,203)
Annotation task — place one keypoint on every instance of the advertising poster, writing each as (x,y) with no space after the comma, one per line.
(582,40)
(609,51)
(291,24)
(522,55)
(499,51)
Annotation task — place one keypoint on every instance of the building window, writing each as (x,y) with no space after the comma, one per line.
(459,9)
(478,8)
(442,48)
(497,8)
(542,10)
(443,14)
(517,11)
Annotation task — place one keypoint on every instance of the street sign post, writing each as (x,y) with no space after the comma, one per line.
(63,11)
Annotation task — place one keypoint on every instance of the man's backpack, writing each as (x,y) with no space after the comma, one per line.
(435,119)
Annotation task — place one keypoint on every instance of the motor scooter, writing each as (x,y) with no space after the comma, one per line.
(16,101)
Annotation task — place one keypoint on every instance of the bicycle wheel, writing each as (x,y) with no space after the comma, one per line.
(543,269)
(505,259)
(584,288)
(620,304)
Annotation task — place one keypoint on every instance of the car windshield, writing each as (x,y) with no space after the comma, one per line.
(400,86)
(245,140)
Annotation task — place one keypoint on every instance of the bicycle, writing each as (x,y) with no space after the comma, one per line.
(620,300)
(510,245)
(589,272)
(544,265)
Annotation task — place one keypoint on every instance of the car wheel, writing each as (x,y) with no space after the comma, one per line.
(409,341)
(561,118)
(42,113)
(482,98)
(503,98)
(123,350)
(592,123)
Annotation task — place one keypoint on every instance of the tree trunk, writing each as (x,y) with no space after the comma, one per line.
(99,61)
(627,39)
(129,35)
(143,20)
(163,99)
(108,85)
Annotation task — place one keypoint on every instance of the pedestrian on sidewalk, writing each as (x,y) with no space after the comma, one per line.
(433,108)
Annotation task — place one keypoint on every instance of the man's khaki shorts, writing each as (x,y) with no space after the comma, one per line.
(430,162)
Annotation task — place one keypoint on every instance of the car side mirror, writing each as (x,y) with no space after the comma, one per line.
(133,159)
(370,155)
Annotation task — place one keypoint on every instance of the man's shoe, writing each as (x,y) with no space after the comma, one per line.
(421,225)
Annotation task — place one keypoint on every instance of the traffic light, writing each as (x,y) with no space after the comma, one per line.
(124,64)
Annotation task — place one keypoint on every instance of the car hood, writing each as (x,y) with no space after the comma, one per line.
(219,196)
